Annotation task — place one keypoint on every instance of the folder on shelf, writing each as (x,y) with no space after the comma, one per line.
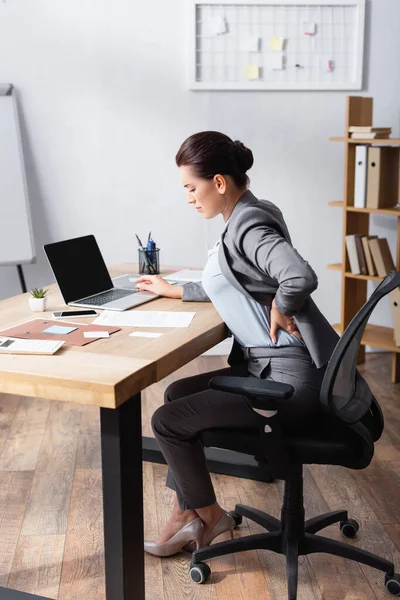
(382,177)
(367,252)
(360,176)
(395,302)
(352,254)
(382,257)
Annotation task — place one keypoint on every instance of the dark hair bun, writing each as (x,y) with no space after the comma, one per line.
(243,155)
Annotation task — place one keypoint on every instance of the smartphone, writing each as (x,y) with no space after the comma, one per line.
(89,312)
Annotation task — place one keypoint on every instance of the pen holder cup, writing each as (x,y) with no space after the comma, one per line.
(149,261)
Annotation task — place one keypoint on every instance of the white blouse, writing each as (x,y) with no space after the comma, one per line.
(247,319)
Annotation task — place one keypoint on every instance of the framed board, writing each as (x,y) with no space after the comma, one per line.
(276,44)
(16,237)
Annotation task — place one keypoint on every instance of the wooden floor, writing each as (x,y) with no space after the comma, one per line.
(51,538)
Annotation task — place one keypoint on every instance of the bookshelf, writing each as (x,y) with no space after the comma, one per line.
(356,220)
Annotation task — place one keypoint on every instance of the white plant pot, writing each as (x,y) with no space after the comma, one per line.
(38,304)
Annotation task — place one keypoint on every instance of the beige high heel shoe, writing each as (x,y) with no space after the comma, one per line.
(226,523)
(192,532)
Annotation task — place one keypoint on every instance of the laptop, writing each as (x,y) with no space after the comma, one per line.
(83,278)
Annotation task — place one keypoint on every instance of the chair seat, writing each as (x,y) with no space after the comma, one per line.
(326,446)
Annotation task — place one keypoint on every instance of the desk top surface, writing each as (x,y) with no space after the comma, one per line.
(108,371)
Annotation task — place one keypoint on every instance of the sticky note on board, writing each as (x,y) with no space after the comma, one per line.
(276,42)
(275,61)
(252,72)
(59,329)
(309,28)
(217,25)
(251,44)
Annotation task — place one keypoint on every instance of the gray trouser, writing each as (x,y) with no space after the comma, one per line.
(190,407)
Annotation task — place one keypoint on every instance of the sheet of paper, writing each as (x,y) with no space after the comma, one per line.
(275,61)
(143,318)
(96,334)
(146,334)
(252,72)
(276,42)
(185,275)
(251,44)
(309,28)
(216,26)
(59,329)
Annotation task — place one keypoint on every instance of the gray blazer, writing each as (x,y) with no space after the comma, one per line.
(257,257)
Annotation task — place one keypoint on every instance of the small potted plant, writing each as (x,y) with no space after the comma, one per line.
(38,299)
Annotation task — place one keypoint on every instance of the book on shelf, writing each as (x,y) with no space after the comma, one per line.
(352,253)
(377,135)
(361,256)
(368,129)
(367,252)
(367,132)
(369,255)
(381,255)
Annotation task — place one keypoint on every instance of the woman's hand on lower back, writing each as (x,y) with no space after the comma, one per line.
(278,320)
(158,285)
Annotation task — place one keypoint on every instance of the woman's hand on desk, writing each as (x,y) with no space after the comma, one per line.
(158,285)
(283,321)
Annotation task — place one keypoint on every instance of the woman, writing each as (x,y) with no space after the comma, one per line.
(261,288)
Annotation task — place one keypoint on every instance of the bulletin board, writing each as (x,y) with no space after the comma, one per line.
(277,45)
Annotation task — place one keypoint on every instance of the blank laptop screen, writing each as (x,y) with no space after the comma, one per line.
(79,267)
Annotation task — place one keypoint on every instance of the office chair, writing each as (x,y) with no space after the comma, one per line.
(352,421)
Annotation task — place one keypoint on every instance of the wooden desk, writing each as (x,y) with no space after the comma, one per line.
(110,374)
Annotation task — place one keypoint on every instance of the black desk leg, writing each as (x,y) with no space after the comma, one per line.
(121,449)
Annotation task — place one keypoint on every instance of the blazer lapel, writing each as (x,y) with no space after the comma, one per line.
(246,198)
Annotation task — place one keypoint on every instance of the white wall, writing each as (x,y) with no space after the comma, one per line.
(104,107)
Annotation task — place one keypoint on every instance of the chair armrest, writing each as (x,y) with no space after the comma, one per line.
(260,392)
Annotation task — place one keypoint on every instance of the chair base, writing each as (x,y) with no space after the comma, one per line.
(293,536)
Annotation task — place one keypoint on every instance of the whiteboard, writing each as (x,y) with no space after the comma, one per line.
(16,239)
(232,48)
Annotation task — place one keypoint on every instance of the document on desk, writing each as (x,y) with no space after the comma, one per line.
(185,275)
(146,334)
(143,318)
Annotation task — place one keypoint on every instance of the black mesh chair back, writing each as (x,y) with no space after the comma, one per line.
(344,393)
(346,438)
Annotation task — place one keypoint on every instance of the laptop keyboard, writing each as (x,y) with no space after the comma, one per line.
(106,297)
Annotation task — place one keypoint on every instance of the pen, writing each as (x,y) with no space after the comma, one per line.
(151,252)
(150,268)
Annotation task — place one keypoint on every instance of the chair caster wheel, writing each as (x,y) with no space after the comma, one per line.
(200,572)
(236,517)
(392,584)
(349,528)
